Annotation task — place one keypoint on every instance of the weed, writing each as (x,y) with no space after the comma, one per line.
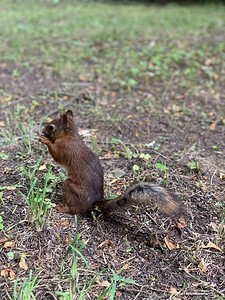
(221,230)
(3,156)
(193,165)
(161,167)
(35,197)
(17,130)
(135,168)
(75,273)
(25,290)
(1,223)
(128,151)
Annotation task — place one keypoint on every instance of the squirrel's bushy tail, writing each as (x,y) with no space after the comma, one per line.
(144,192)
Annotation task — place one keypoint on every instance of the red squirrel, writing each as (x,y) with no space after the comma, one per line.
(84,187)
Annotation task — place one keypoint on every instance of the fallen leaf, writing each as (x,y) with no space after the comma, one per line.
(9,244)
(106,156)
(196,284)
(86,132)
(3,240)
(11,188)
(172,290)
(8,273)
(214,226)
(104,283)
(216,76)
(23,264)
(222,175)
(83,78)
(181,223)
(170,244)
(64,223)
(125,267)
(44,166)
(211,245)
(2,124)
(213,127)
(106,242)
(202,265)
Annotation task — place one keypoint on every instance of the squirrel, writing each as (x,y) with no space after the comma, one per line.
(84,187)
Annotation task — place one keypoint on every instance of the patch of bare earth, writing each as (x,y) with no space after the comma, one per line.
(163,256)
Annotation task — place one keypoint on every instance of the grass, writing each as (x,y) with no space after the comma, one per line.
(25,290)
(126,45)
(79,268)
(71,34)
(36,196)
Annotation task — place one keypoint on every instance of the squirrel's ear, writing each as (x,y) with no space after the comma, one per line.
(65,117)
(69,114)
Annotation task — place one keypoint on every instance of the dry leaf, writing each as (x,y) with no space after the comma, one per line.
(214,226)
(9,244)
(83,78)
(64,223)
(181,223)
(125,267)
(213,127)
(106,242)
(106,156)
(3,240)
(23,264)
(172,290)
(11,188)
(216,76)
(170,244)
(8,273)
(222,175)
(104,283)
(211,245)
(2,124)
(113,181)
(43,167)
(202,265)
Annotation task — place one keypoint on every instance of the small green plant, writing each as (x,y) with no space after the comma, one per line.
(10,255)
(18,130)
(161,167)
(135,169)
(1,225)
(200,184)
(3,156)
(78,291)
(221,229)
(75,249)
(193,165)
(128,152)
(36,198)
(25,290)
(15,73)
(129,249)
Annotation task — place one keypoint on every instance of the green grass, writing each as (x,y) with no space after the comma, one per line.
(125,44)
(36,196)
(70,35)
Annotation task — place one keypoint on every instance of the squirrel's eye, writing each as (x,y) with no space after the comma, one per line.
(51,127)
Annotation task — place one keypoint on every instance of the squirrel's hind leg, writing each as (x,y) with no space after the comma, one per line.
(74,198)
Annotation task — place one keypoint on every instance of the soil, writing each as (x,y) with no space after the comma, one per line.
(164,256)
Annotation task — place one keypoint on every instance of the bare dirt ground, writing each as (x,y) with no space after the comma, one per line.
(179,128)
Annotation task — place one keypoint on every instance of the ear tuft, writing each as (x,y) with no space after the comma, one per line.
(69,114)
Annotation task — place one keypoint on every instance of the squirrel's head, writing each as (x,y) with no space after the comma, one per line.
(60,127)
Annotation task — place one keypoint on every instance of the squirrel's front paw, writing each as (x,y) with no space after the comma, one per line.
(44,140)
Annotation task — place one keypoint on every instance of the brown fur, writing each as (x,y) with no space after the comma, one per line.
(84,186)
